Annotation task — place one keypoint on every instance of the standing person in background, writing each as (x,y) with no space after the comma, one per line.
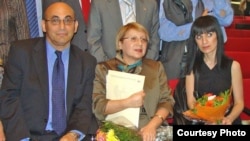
(39,9)
(13,26)
(217,72)
(106,18)
(174,37)
(80,38)
(41,74)
(245,7)
(34,16)
(155,100)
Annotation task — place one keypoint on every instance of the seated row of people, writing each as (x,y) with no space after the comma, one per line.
(39,84)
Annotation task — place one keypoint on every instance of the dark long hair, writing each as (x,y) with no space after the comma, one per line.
(204,24)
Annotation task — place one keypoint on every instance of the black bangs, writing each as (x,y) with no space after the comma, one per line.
(204,25)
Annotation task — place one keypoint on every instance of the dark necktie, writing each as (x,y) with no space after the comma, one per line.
(32,18)
(58,96)
(85,10)
(199,9)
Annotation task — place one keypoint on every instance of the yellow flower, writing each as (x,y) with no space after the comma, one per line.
(111,136)
(110,131)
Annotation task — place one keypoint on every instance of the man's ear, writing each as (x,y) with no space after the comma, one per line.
(76,26)
(43,26)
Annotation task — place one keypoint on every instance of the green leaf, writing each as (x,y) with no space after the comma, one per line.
(123,133)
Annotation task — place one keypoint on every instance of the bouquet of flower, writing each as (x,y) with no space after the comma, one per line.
(210,108)
(110,131)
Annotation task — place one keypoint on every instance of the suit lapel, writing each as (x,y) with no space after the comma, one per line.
(113,8)
(40,63)
(74,73)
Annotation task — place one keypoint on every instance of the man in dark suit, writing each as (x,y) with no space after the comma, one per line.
(27,88)
(80,37)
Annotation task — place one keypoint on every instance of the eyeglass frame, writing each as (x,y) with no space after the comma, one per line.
(136,39)
(68,20)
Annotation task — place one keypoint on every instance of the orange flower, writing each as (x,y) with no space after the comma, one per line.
(210,110)
(100,136)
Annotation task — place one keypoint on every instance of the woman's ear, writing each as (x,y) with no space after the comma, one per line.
(120,45)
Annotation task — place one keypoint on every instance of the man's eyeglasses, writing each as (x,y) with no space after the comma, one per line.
(57,21)
(136,39)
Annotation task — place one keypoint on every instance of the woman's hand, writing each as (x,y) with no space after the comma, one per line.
(226,121)
(205,12)
(136,100)
(148,133)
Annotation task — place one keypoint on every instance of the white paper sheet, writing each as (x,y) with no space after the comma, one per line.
(121,85)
